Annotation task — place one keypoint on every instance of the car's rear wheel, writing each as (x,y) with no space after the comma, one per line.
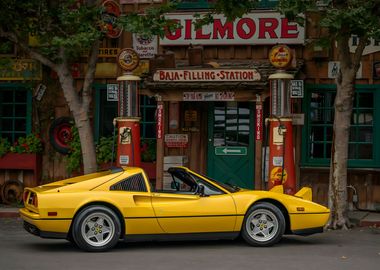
(96,228)
(264,225)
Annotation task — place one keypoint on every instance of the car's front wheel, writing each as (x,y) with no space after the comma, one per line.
(96,228)
(264,225)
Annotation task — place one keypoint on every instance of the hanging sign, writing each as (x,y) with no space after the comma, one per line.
(259,122)
(206,75)
(160,121)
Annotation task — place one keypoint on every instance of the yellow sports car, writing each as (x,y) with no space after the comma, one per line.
(94,211)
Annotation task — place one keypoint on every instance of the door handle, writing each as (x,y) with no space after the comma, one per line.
(156,195)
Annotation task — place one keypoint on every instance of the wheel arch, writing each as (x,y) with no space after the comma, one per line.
(280,206)
(100,203)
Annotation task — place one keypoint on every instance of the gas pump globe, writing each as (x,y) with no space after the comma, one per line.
(281,156)
(128,120)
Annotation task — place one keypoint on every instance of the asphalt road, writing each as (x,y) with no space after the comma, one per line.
(357,249)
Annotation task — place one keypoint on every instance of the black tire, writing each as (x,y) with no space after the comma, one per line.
(263,225)
(96,228)
(60,134)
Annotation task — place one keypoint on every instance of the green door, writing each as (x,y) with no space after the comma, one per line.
(231,143)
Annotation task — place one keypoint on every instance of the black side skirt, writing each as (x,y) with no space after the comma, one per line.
(180,236)
(306,232)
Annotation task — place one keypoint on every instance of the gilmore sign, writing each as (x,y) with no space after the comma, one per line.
(251,29)
(206,75)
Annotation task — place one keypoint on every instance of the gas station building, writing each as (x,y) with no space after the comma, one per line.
(205,95)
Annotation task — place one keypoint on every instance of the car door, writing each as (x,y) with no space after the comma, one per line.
(182,211)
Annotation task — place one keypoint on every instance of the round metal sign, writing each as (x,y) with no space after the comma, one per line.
(280,56)
(128,59)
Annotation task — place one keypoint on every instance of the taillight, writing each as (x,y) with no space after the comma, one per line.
(25,196)
(33,199)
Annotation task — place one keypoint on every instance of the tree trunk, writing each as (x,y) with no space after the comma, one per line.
(81,118)
(339,155)
(349,65)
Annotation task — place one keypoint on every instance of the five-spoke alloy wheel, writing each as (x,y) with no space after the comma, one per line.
(96,228)
(264,225)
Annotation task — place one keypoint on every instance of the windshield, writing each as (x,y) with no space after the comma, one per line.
(227,186)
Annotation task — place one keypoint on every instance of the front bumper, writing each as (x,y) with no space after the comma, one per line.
(45,227)
(304,222)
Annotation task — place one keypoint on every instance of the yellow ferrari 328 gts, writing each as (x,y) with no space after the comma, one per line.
(95,211)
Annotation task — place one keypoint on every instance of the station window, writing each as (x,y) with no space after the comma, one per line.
(318,129)
(15,111)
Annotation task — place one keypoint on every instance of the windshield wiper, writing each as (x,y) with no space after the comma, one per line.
(233,186)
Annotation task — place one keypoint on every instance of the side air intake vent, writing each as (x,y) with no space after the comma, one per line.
(132,183)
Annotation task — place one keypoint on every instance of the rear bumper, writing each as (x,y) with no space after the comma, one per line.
(43,234)
(45,227)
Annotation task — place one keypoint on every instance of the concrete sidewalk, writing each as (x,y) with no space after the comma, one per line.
(358,218)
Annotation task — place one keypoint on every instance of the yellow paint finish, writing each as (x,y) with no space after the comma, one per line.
(305,221)
(142,226)
(182,213)
(198,224)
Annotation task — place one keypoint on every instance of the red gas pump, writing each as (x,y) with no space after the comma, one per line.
(128,120)
(281,156)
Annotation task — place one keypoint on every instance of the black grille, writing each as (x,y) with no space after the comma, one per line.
(132,183)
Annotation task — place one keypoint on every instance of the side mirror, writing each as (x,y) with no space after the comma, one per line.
(174,185)
(201,191)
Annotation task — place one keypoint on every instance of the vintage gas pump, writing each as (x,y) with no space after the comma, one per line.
(281,157)
(128,120)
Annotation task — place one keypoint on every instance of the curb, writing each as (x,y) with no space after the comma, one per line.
(9,213)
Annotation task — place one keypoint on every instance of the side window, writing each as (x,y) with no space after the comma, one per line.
(209,189)
(133,183)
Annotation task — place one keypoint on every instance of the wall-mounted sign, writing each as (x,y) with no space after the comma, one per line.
(160,121)
(105,52)
(40,91)
(112,92)
(376,70)
(259,122)
(334,67)
(280,56)
(251,29)
(111,12)
(206,75)
(176,140)
(230,151)
(146,47)
(128,59)
(372,47)
(139,1)
(208,96)
(21,69)
(296,89)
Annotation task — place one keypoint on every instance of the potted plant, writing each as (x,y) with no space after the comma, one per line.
(24,154)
